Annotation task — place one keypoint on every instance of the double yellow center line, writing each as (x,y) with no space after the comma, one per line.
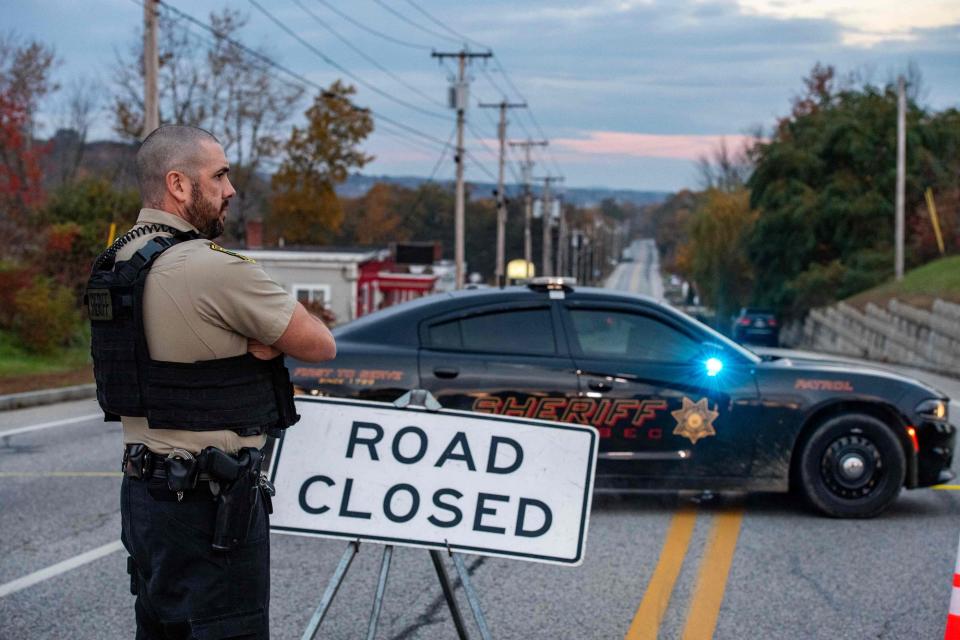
(711,578)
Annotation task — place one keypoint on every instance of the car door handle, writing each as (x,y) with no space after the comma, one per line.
(446,372)
(597,385)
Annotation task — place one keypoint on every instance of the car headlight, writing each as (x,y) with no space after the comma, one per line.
(933,409)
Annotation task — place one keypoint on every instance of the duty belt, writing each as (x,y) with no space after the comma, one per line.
(183,470)
(235,482)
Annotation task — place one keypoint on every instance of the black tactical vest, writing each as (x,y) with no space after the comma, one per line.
(243,394)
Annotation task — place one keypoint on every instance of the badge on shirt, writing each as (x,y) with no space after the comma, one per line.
(216,247)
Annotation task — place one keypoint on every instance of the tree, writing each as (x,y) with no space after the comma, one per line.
(375,218)
(716,253)
(75,222)
(24,81)
(824,186)
(668,224)
(726,169)
(217,86)
(319,156)
(79,104)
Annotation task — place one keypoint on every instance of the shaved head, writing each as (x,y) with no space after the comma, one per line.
(172,147)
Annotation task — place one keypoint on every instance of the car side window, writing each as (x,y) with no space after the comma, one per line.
(520,332)
(609,333)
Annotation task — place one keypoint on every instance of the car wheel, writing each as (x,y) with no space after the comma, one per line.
(852,466)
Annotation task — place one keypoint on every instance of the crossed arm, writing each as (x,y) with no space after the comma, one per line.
(305,338)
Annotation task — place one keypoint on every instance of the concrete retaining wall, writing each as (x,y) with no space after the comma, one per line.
(898,333)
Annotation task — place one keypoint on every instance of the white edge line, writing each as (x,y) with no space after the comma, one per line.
(48,425)
(60,567)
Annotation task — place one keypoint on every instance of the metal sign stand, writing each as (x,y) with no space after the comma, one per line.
(417,398)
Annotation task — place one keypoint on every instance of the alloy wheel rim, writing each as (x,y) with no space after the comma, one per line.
(851,466)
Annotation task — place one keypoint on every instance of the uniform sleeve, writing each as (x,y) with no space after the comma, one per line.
(239,296)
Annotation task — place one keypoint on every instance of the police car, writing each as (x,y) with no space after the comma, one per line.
(678,406)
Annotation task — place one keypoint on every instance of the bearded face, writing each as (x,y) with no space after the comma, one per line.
(205,214)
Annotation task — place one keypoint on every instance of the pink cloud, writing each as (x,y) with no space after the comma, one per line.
(648,145)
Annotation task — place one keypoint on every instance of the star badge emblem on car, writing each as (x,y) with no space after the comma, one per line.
(694,419)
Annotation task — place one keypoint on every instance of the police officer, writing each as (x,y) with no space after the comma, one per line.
(197,401)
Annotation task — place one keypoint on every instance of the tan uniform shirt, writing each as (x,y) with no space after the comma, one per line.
(202,304)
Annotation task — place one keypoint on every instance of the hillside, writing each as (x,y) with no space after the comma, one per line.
(358,184)
(919,287)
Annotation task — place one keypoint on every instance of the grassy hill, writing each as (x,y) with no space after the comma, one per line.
(919,287)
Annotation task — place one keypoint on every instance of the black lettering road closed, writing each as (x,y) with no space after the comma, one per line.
(480,484)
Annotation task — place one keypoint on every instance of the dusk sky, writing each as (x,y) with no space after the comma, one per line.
(629,92)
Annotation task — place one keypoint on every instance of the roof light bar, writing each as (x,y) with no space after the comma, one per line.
(552,283)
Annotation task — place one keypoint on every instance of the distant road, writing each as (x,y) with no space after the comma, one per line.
(642,274)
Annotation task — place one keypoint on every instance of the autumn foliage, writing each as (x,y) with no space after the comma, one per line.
(318,156)
(20,173)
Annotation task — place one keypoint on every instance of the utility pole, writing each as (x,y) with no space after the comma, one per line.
(527,169)
(503,105)
(548,224)
(563,241)
(151,64)
(901,175)
(458,100)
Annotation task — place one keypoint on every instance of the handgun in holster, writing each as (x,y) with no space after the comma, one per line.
(239,481)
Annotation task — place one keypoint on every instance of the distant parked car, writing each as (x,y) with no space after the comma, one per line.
(757,326)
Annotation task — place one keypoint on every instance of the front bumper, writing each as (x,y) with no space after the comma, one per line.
(937,444)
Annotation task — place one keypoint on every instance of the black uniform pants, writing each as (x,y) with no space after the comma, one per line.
(185,589)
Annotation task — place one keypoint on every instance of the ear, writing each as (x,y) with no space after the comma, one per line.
(178,186)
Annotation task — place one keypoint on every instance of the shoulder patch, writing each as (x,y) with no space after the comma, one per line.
(216,247)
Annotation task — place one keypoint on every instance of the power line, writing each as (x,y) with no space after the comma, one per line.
(379,34)
(264,64)
(306,81)
(423,144)
(252,52)
(462,38)
(414,24)
(493,84)
(496,61)
(293,34)
(366,57)
(443,154)
(479,165)
(533,118)
(510,165)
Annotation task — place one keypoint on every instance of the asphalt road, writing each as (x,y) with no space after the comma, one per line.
(642,273)
(656,566)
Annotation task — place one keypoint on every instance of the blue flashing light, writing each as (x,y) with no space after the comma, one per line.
(714,366)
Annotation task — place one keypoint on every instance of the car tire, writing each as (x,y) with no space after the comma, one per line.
(851,466)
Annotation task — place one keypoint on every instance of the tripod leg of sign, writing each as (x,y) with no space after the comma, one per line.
(471,596)
(381,588)
(448,594)
(335,581)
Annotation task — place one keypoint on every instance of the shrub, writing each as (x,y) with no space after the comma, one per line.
(13,278)
(45,316)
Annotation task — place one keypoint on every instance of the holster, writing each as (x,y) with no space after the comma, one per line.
(137,461)
(182,473)
(238,496)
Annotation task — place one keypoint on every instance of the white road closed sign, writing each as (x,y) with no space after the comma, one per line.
(479,484)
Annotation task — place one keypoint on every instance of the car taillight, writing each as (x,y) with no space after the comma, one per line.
(744,322)
(772,322)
